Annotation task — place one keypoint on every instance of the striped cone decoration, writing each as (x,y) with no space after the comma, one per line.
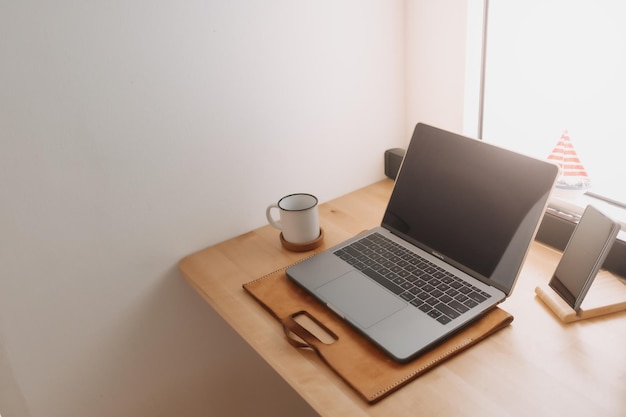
(573,175)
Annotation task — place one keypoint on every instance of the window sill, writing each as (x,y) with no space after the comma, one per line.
(571,207)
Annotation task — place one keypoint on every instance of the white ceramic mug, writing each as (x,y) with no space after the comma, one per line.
(299,219)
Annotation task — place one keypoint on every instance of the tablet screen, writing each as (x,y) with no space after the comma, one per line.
(585,252)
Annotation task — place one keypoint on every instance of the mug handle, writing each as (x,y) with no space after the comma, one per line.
(270,219)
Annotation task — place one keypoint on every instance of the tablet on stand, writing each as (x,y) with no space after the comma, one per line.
(569,293)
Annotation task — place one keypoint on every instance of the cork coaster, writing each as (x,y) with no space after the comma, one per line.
(302,247)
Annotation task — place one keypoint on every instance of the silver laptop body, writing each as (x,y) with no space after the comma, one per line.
(452,242)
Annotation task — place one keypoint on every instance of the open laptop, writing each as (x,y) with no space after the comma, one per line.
(452,242)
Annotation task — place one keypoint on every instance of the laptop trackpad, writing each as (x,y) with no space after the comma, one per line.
(359,299)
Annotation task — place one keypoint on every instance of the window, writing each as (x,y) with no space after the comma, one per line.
(556,69)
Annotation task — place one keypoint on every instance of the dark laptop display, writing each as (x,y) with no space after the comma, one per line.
(472,204)
(450,247)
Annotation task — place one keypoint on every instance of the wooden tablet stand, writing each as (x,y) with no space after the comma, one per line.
(606,295)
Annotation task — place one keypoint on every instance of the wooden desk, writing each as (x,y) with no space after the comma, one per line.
(535,367)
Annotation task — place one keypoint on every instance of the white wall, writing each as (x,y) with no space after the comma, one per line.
(134,133)
(435,62)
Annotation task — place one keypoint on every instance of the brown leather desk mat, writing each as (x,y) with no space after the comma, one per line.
(357,361)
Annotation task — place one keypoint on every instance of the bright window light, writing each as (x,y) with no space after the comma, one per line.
(555,68)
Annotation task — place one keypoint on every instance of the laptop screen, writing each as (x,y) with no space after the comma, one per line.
(475,205)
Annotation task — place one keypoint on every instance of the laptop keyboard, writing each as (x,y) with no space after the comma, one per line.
(418,281)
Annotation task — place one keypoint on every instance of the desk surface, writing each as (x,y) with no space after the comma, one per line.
(537,366)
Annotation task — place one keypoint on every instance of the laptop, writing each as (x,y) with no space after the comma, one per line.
(450,247)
